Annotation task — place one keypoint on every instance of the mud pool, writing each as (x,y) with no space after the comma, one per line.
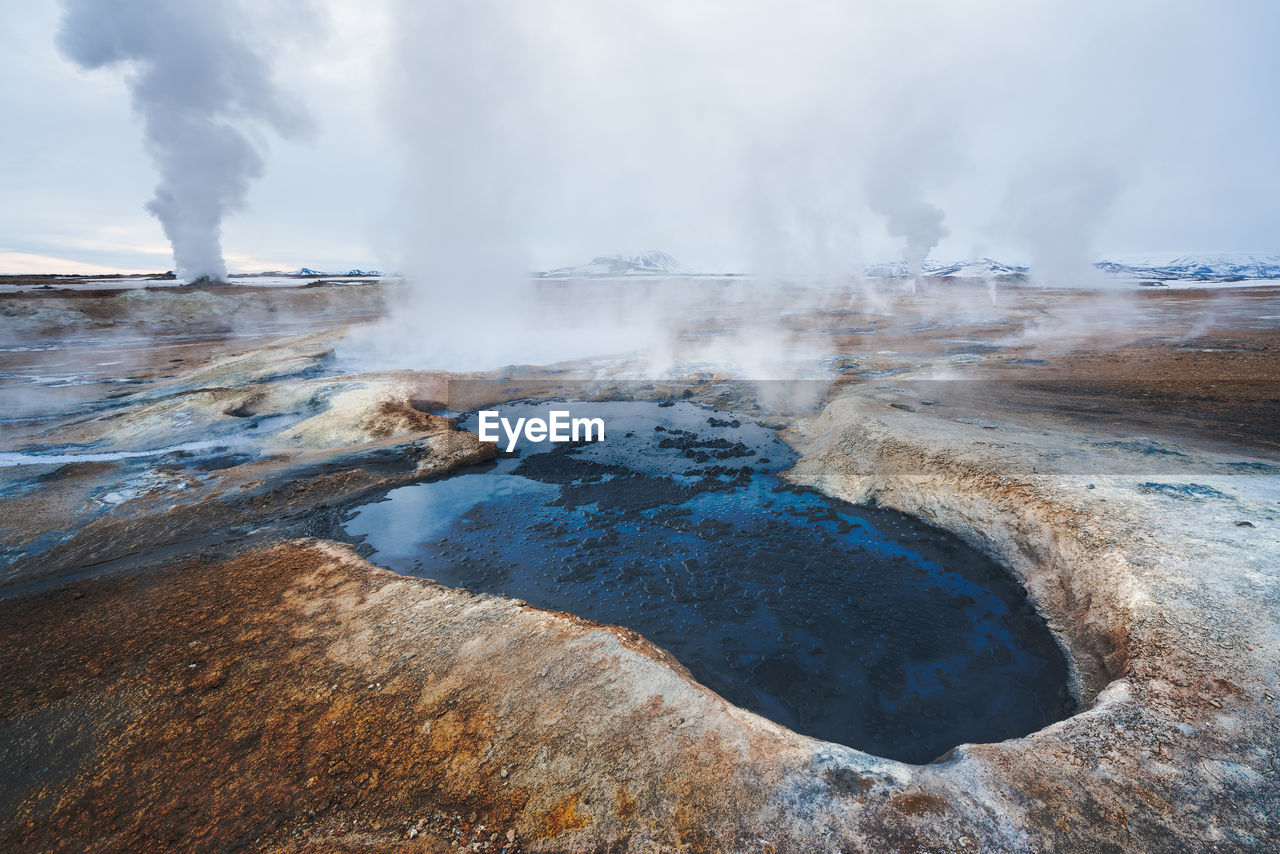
(852,624)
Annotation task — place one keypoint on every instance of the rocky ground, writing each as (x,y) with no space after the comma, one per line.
(191,663)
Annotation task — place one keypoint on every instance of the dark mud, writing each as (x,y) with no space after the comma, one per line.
(857,625)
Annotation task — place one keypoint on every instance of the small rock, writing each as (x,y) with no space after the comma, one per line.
(511,835)
(413,832)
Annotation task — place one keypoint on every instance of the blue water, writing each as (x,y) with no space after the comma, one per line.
(853,624)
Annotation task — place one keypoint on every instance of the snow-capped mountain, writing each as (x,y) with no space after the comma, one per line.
(979,268)
(1196,267)
(650,263)
(1209,268)
(307,272)
(1184,268)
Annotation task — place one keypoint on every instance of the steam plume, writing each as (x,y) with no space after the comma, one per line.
(204,95)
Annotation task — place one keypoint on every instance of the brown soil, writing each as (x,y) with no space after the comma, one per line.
(187,712)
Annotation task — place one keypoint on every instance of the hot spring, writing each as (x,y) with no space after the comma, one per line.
(852,624)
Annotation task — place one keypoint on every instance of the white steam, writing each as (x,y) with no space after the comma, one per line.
(765,136)
(203,87)
(759,136)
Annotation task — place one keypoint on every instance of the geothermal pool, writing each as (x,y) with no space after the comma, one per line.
(852,624)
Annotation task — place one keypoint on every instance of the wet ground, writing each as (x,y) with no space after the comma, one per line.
(71,343)
(180,671)
(852,624)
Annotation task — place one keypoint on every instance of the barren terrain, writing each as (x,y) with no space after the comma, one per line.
(191,662)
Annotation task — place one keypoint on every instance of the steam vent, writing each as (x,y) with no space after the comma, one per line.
(732,427)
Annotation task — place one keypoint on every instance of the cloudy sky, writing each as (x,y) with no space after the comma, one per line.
(745,135)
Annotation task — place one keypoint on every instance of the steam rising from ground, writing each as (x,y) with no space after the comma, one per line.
(776,137)
(797,142)
(760,136)
(204,90)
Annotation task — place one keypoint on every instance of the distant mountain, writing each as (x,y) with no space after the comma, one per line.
(651,263)
(980,268)
(307,271)
(1197,268)
(1213,268)
(1210,268)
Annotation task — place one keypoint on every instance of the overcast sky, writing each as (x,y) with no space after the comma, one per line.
(755,134)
